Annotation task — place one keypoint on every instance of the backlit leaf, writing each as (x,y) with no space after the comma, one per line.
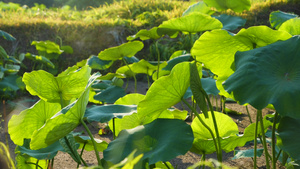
(277,18)
(291,26)
(237,6)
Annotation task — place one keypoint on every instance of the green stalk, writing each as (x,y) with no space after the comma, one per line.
(81,155)
(135,81)
(274,141)
(203,123)
(203,160)
(167,165)
(158,58)
(37,163)
(249,114)
(38,166)
(259,112)
(255,141)
(223,105)
(114,129)
(216,99)
(93,141)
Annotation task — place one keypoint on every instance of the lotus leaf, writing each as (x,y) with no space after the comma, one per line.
(230,22)
(279,17)
(144,34)
(199,7)
(237,6)
(7,36)
(86,140)
(95,63)
(291,26)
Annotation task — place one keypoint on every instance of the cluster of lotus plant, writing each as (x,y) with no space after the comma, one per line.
(259,66)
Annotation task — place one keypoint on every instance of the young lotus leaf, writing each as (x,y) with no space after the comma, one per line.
(95,63)
(48,48)
(192,23)
(52,89)
(110,95)
(291,26)
(145,67)
(268,75)
(40,59)
(7,36)
(106,112)
(289,136)
(44,153)
(86,140)
(144,34)
(128,49)
(166,91)
(67,119)
(237,6)
(279,17)
(199,7)
(130,99)
(230,22)
(152,141)
(22,126)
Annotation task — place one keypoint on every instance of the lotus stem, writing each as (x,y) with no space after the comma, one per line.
(274,141)
(248,114)
(255,142)
(259,112)
(158,58)
(203,123)
(114,129)
(203,160)
(81,156)
(167,165)
(93,141)
(135,81)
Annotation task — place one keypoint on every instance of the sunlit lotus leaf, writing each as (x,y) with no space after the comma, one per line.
(95,63)
(22,126)
(172,62)
(129,162)
(268,75)
(47,46)
(144,34)
(106,112)
(110,94)
(51,89)
(156,75)
(101,145)
(177,53)
(125,70)
(291,26)
(199,7)
(44,153)
(278,17)
(63,122)
(7,36)
(130,99)
(289,136)
(110,76)
(128,49)
(67,49)
(25,162)
(166,91)
(152,141)
(230,22)
(192,23)
(237,6)
(40,59)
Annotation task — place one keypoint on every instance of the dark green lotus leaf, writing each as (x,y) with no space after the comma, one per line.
(166,91)
(9,83)
(63,122)
(192,23)
(268,75)
(110,94)
(95,63)
(199,7)
(278,17)
(70,146)
(230,22)
(23,125)
(209,85)
(128,49)
(247,153)
(130,99)
(152,141)
(237,6)
(40,59)
(172,62)
(44,153)
(86,140)
(144,34)
(67,85)
(291,26)
(289,136)
(106,112)
(7,36)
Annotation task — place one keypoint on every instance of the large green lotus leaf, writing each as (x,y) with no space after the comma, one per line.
(166,91)
(106,112)
(127,49)
(130,99)
(51,89)
(263,35)
(230,22)
(152,141)
(7,36)
(63,122)
(144,34)
(47,46)
(291,26)
(172,62)
(86,140)
(199,7)
(289,136)
(237,6)
(110,95)
(40,59)
(95,63)
(44,153)
(279,17)
(268,75)
(192,23)
(23,125)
